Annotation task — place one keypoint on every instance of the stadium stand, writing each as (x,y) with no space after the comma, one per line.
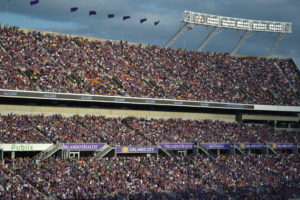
(134,131)
(240,177)
(45,62)
(48,153)
(13,186)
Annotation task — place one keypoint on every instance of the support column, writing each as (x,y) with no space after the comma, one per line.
(186,26)
(276,44)
(245,36)
(212,34)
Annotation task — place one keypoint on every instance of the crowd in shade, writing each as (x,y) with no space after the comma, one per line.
(60,63)
(199,177)
(134,131)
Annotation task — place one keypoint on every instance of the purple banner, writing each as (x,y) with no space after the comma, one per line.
(251,146)
(177,146)
(137,149)
(282,146)
(81,147)
(216,146)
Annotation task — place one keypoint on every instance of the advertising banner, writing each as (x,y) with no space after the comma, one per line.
(137,149)
(81,147)
(177,146)
(24,147)
(282,146)
(216,146)
(251,146)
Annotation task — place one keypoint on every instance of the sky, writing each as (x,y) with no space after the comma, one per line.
(55,15)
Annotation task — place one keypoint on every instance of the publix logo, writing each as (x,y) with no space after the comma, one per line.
(22,147)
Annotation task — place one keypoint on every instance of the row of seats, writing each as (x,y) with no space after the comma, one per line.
(226,177)
(133,131)
(57,63)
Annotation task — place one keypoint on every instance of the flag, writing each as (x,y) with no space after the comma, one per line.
(74,9)
(155,23)
(126,17)
(143,20)
(92,12)
(110,15)
(33,2)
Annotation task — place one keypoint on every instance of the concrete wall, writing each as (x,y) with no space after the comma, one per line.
(69,111)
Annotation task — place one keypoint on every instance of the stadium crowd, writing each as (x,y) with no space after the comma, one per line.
(134,131)
(226,177)
(19,128)
(58,63)
(13,186)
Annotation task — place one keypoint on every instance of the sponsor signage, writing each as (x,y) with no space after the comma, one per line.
(137,149)
(114,99)
(216,146)
(177,146)
(24,147)
(81,147)
(251,146)
(282,146)
(135,100)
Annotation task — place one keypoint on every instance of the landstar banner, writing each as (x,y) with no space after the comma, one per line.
(137,149)
(282,146)
(251,146)
(81,147)
(177,146)
(216,146)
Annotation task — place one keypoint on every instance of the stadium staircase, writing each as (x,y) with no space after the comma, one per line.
(270,149)
(71,77)
(283,74)
(294,90)
(238,149)
(166,152)
(101,153)
(116,81)
(181,83)
(48,152)
(149,82)
(26,73)
(124,122)
(204,150)
(112,78)
(266,91)
(1,47)
(35,125)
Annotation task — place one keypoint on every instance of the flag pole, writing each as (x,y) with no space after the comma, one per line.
(7,7)
(122,32)
(106,29)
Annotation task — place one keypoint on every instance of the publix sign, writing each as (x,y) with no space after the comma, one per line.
(24,147)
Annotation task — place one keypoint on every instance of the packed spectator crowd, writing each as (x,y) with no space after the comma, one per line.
(19,128)
(134,131)
(13,186)
(199,177)
(57,63)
